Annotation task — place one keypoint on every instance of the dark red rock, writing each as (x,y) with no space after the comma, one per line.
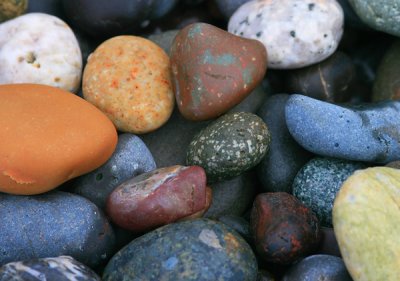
(213,70)
(284,229)
(159,197)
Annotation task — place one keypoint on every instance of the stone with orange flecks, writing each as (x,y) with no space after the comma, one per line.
(127,77)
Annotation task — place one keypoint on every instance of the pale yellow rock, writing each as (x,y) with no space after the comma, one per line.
(366,220)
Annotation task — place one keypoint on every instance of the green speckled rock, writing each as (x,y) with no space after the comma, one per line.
(199,250)
(232,144)
(366,219)
(318,182)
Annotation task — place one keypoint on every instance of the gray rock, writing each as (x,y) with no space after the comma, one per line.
(363,133)
(228,7)
(164,39)
(130,158)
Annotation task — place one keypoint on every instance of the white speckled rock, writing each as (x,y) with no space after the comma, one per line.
(296,33)
(41,49)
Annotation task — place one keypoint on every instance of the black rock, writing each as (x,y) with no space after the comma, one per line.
(239,224)
(228,7)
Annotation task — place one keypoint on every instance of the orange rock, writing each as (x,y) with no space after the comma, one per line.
(49,136)
(128,78)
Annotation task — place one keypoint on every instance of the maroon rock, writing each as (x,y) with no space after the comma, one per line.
(213,70)
(283,228)
(159,197)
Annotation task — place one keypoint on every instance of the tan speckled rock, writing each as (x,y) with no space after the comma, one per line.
(366,219)
(127,77)
(12,8)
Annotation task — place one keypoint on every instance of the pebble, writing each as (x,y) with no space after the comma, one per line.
(284,229)
(182,251)
(285,157)
(318,182)
(239,224)
(10,9)
(44,142)
(213,70)
(366,219)
(128,78)
(130,158)
(164,39)
(311,31)
(229,146)
(350,17)
(40,49)
(318,267)
(159,197)
(328,244)
(53,224)
(228,7)
(63,268)
(363,133)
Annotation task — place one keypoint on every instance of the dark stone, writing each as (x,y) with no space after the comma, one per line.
(51,7)
(252,102)
(239,224)
(182,251)
(350,17)
(228,7)
(285,157)
(164,39)
(53,224)
(328,244)
(264,275)
(394,164)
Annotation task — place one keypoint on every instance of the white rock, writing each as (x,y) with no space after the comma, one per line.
(296,33)
(40,49)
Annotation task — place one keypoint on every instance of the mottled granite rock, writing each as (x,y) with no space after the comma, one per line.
(10,9)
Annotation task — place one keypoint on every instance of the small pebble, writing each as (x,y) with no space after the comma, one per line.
(12,8)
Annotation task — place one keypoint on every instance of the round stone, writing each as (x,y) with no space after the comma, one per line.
(12,8)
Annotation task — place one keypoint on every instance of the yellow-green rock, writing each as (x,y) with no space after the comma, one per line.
(366,220)
(12,8)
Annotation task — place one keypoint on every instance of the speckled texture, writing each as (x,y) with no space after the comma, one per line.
(12,8)
(41,49)
(366,219)
(318,182)
(318,267)
(63,268)
(130,158)
(182,251)
(213,70)
(364,133)
(311,31)
(128,78)
(231,145)
(53,224)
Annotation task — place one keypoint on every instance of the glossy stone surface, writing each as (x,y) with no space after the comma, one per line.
(182,251)
(213,70)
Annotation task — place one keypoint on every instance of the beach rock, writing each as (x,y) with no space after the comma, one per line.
(164,39)
(231,145)
(40,49)
(366,220)
(130,158)
(53,224)
(51,7)
(350,17)
(127,77)
(213,70)
(361,133)
(10,9)
(264,275)
(228,7)
(328,244)
(45,142)
(311,33)
(181,251)
(61,268)
(239,224)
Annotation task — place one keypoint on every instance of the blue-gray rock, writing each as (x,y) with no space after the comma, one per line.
(228,7)
(130,158)
(252,102)
(318,182)
(61,268)
(363,133)
(318,267)
(198,250)
(239,224)
(53,224)
(164,39)
(285,157)
(350,17)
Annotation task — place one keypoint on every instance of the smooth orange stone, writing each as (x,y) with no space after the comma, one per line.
(48,136)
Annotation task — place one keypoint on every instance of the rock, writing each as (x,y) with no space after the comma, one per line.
(284,230)
(386,84)
(239,224)
(40,49)
(293,44)
(328,244)
(328,80)
(318,267)
(51,7)
(366,220)
(159,197)
(130,158)
(231,145)
(264,275)
(350,17)
(53,224)
(61,268)
(164,39)
(318,182)
(10,9)
(127,77)
(228,7)
(213,70)
(285,157)
(44,142)
(394,164)
(379,15)
(252,102)
(363,133)
(181,251)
